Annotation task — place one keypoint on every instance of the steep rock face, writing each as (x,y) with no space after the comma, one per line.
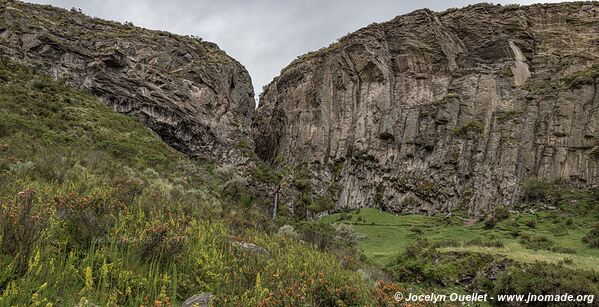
(432,112)
(197,98)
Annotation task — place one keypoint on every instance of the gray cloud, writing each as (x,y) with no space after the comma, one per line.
(264,35)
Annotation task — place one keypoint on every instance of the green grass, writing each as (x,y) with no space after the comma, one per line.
(517,252)
(388,235)
(445,254)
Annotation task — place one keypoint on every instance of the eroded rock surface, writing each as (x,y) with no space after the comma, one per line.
(199,300)
(197,98)
(431,112)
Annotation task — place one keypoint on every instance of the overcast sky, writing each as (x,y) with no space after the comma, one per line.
(264,35)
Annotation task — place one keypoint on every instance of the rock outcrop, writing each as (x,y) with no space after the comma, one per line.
(431,112)
(199,300)
(192,94)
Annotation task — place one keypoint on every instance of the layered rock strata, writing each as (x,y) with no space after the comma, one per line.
(191,93)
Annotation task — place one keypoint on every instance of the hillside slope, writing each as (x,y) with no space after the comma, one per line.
(196,97)
(434,112)
(96,210)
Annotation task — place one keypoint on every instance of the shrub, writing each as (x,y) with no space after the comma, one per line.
(490,221)
(320,235)
(128,188)
(287,231)
(416,230)
(447,243)
(346,235)
(384,293)
(21,168)
(53,166)
(301,181)
(543,243)
(237,190)
(464,127)
(422,264)
(538,242)
(592,238)
(538,190)
(85,218)
(244,219)
(161,240)
(22,224)
(546,278)
(225,172)
(264,173)
(501,213)
(479,242)
(344,216)
(301,204)
(568,260)
(322,203)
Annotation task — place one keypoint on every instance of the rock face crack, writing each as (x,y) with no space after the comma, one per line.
(432,112)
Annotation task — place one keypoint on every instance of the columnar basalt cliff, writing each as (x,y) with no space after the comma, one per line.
(432,112)
(197,98)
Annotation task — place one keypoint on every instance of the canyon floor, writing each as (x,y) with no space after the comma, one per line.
(384,235)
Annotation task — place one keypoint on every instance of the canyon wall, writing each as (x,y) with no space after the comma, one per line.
(432,112)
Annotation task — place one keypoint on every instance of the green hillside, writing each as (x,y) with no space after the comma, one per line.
(96,209)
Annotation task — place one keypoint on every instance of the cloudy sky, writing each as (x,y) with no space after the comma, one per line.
(264,35)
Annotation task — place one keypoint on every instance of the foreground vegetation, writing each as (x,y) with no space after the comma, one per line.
(96,209)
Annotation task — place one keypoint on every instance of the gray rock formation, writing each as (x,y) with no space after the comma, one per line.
(197,98)
(199,300)
(431,112)
(251,247)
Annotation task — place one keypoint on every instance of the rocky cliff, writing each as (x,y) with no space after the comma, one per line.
(432,112)
(197,98)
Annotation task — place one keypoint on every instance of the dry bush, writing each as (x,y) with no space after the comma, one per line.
(22,223)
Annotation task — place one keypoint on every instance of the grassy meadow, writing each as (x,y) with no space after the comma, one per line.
(387,234)
(528,251)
